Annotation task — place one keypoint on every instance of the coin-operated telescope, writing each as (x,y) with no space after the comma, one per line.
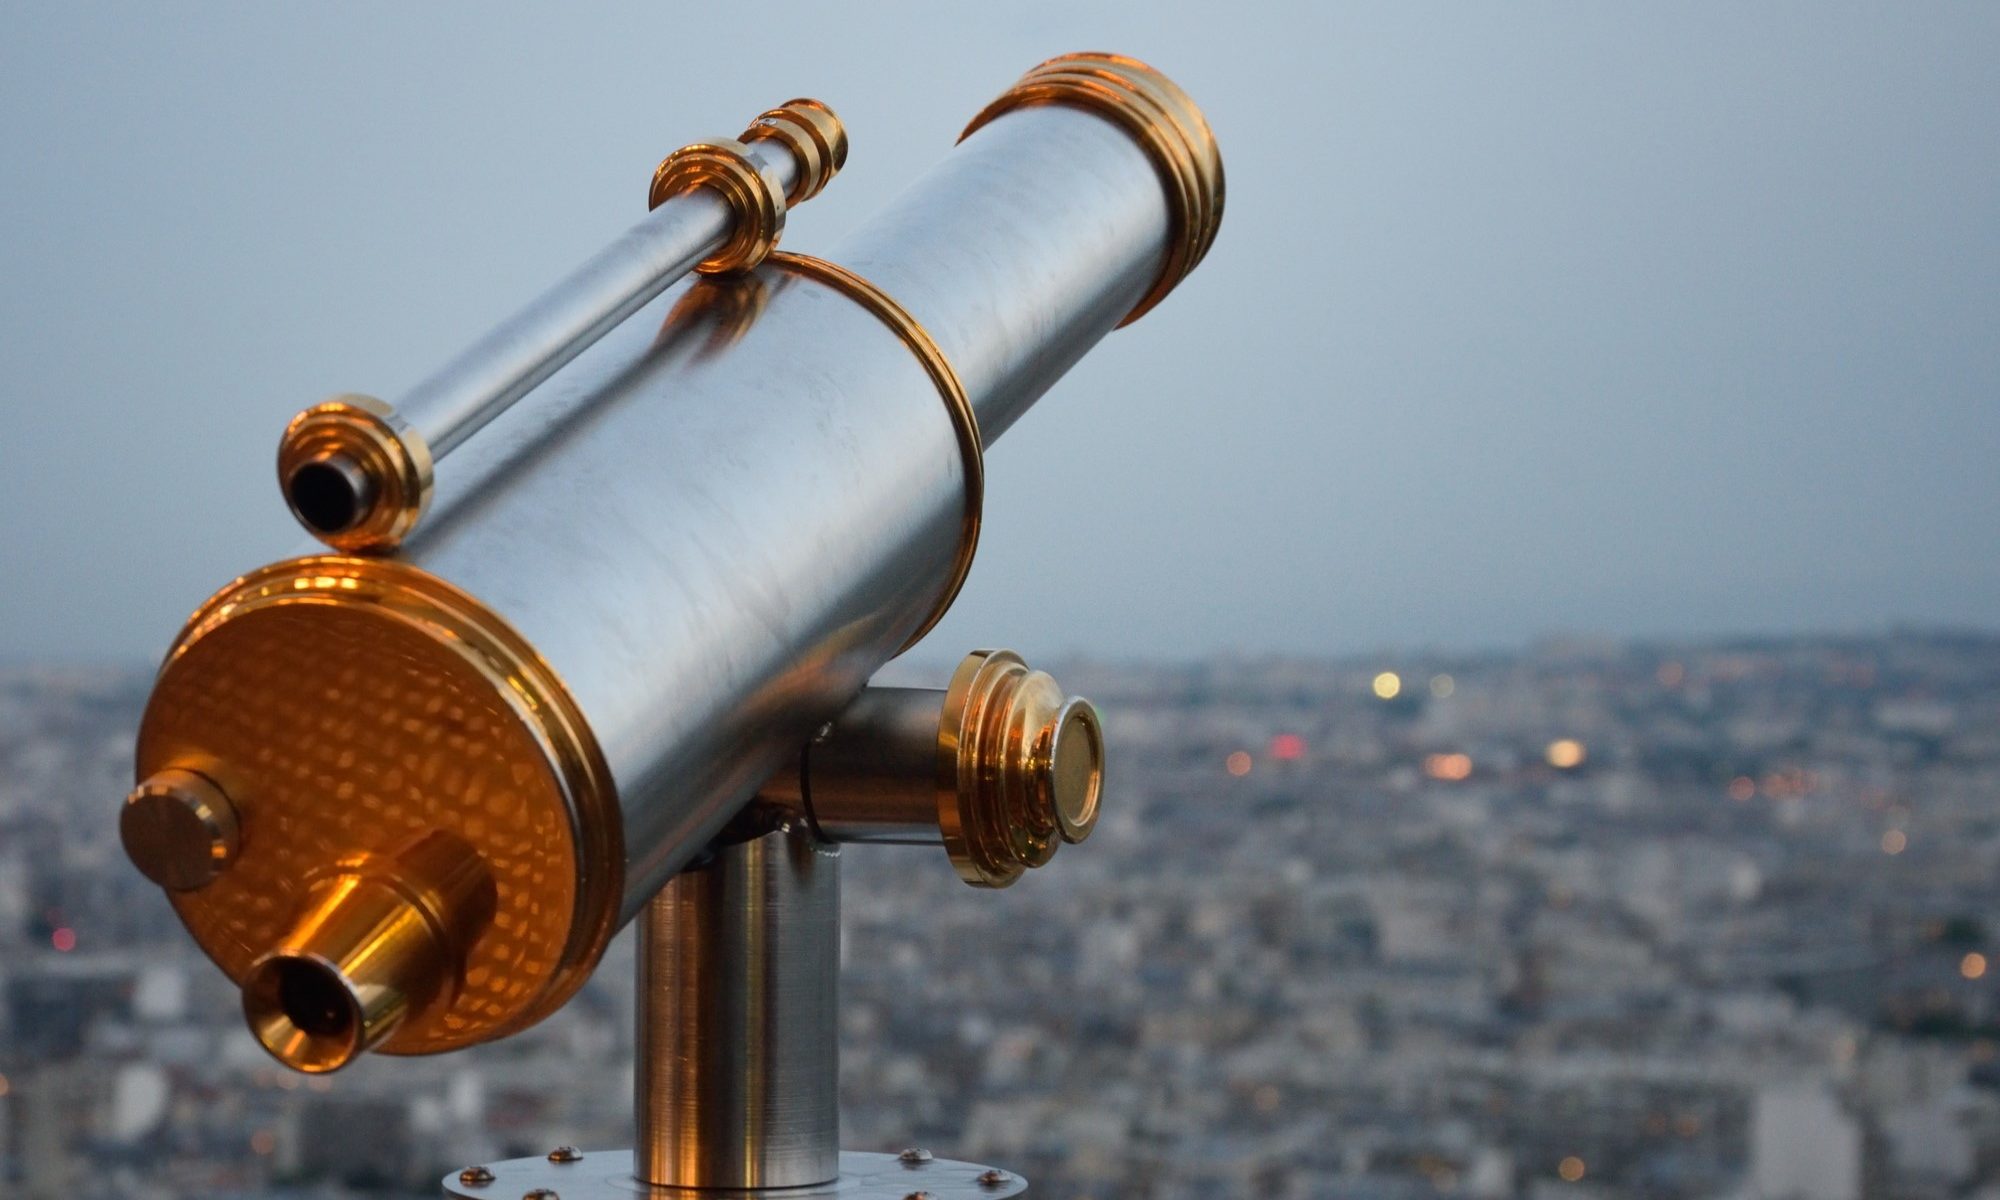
(603,597)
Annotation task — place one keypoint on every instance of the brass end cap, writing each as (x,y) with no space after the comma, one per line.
(1163,119)
(724,166)
(382,937)
(815,137)
(355,474)
(179,829)
(345,706)
(1020,768)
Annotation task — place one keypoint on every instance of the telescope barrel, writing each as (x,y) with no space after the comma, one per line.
(638,595)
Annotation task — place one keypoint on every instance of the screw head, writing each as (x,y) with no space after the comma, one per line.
(475,1177)
(914,1156)
(919,1196)
(540,1194)
(994,1177)
(565,1154)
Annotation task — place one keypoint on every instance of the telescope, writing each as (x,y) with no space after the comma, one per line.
(588,630)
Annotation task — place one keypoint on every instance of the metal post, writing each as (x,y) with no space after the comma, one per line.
(738,1070)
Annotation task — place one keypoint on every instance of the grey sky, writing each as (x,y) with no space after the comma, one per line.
(1650,320)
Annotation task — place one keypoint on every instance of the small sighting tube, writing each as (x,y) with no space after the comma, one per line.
(380,938)
(357,472)
(492,373)
(737,1077)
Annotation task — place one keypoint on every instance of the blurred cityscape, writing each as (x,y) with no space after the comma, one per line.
(1588,920)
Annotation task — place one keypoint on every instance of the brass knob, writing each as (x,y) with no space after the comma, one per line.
(179,829)
(1021,768)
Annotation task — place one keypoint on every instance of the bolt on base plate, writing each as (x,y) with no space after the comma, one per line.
(607,1175)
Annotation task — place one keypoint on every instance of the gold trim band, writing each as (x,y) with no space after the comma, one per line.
(813,134)
(1164,121)
(724,165)
(965,422)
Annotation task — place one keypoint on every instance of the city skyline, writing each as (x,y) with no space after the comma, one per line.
(1689,921)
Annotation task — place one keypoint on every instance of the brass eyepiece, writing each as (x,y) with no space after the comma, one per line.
(1000,767)
(381,938)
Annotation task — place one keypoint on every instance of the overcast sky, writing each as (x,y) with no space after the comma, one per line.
(1523,319)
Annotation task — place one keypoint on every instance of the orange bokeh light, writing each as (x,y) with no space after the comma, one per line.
(1451,767)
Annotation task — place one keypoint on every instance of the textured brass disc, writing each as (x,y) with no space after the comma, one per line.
(348,705)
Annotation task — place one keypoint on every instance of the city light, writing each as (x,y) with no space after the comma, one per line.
(1238,764)
(1442,686)
(64,939)
(1288,746)
(1973,965)
(1893,842)
(263,1142)
(1566,754)
(1571,1169)
(1742,789)
(1388,685)
(1451,767)
(1670,674)
(5,1087)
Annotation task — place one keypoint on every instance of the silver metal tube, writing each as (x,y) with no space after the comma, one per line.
(738,1075)
(875,777)
(492,373)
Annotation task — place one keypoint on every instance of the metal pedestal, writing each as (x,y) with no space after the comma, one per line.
(737,1085)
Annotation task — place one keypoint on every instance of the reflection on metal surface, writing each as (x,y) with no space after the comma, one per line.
(357,705)
(1164,119)
(1000,767)
(719,309)
(738,964)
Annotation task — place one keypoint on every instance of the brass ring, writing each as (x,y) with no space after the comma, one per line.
(724,166)
(965,422)
(392,456)
(1164,121)
(814,135)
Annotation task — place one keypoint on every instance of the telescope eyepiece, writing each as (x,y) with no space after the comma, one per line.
(330,494)
(304,1012)
(381,938)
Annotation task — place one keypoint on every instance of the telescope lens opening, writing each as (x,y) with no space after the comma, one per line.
(313,999)
(304,1013)
(329,494)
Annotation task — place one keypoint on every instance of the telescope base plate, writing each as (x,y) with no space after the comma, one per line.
(607,1175)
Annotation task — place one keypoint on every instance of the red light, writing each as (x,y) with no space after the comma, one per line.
(63,939)
(1288,746)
